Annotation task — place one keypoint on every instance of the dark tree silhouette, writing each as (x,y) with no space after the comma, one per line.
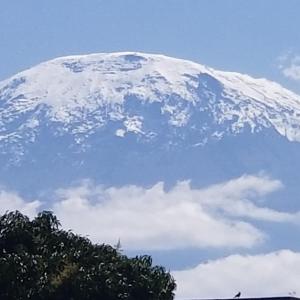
(39,260)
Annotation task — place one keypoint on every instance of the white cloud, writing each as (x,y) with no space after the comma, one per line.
(180,218)
(236,198)
(289,65)
(218,216)
(149,218)
(10,201)
(273,274)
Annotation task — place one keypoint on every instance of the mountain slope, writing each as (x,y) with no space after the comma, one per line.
(100,115)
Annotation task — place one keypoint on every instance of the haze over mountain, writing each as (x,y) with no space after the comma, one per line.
(134,118)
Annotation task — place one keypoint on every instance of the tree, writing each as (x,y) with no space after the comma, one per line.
(39,260)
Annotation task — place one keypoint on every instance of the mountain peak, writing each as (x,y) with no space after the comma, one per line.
(100,115)
(83,93)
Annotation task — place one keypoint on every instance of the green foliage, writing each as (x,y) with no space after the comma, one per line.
(38,260)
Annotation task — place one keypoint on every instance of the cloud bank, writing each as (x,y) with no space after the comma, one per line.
(152,218)
(218,216)
(272,274)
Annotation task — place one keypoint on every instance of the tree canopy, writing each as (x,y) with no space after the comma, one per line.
(39,260)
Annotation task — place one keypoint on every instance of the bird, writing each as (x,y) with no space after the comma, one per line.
(238,295)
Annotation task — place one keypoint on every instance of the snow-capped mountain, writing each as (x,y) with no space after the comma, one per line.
(139,118)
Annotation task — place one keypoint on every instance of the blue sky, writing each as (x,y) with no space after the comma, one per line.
(243,36)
